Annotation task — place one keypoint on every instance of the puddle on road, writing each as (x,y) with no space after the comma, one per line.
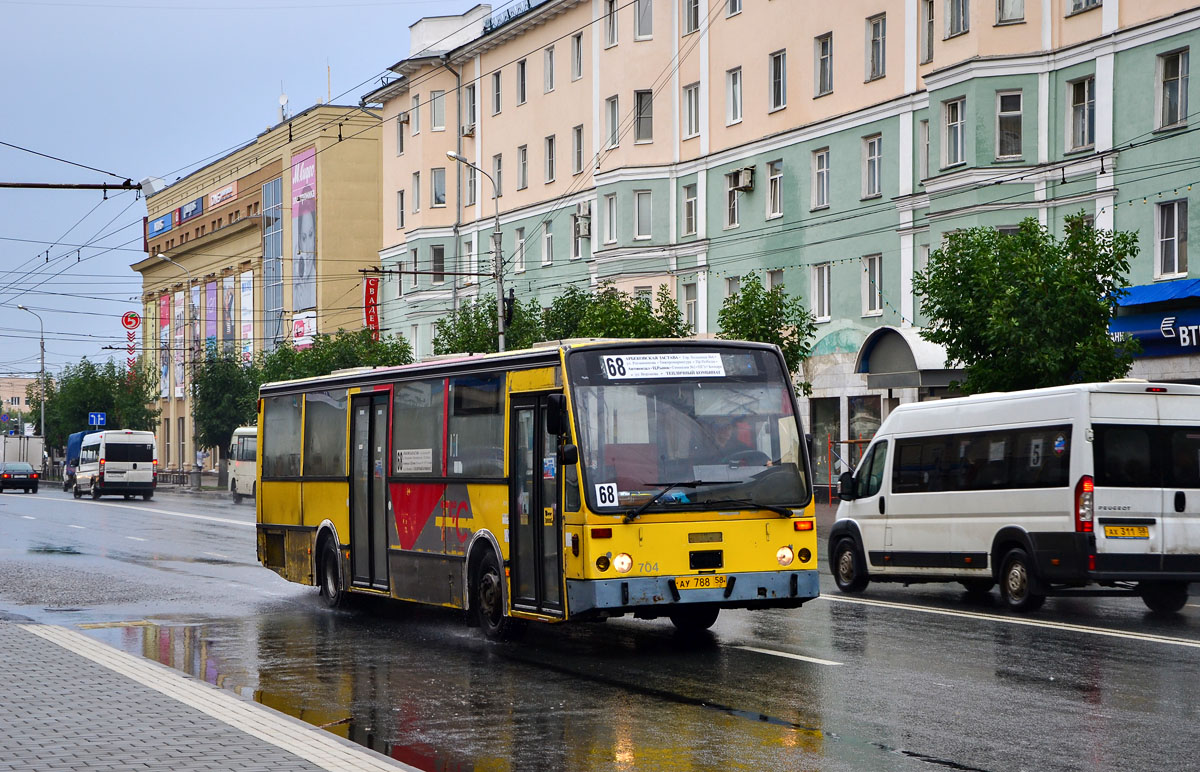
(51,549)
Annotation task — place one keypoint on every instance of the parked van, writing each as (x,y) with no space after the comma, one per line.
(243,458)
(1046,492)
(114,462)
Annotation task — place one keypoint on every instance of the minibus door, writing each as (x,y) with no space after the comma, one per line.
(1181,482)
(368,491)
(535,516)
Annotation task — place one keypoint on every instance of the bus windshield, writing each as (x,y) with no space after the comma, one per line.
(716,427)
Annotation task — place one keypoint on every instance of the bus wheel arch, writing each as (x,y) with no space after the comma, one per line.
(487,594)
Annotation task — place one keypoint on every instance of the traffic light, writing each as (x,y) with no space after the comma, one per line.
(509,303)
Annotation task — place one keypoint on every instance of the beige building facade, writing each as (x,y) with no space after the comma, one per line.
(266,246)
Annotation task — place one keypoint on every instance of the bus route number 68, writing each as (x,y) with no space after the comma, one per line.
(615,367)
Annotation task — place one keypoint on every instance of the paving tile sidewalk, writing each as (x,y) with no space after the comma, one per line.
(68,702)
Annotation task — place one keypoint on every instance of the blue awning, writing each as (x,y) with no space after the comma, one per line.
(1160,292)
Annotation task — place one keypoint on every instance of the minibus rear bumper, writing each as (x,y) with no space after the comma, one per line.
(659,594)
(1071,558)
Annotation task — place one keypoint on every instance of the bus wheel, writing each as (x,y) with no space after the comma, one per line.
(487,583)
(1164,597)
(694,619)
(1016,582)
(331,580)
(848,570)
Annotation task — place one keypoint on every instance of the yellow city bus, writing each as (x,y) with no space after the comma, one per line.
(575,481)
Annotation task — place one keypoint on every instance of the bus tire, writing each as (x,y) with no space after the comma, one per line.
(694,619)
(487,592)
(849,573)
(1017,580)
(1164,597)
(331,590)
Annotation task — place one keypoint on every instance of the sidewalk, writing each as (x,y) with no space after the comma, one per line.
(68,702)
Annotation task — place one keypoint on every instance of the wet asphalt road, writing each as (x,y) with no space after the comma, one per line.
(896,678)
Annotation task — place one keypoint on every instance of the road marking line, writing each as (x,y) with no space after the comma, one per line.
(218,555)
(135,538)
(80,527)
(1149,637)
(167,512)
(774,653)
(293,735)
(27,517)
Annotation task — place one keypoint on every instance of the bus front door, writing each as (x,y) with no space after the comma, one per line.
(368,492)
(536,519)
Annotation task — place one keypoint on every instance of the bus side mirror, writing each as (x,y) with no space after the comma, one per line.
(568,455)
(556,414)
(846,486)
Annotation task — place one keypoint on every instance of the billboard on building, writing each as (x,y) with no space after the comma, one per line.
(180,342)
(164,346)
(196,341)
(247,290)
(304,327)
(228,299)
(304,230)
(371,305)
(210,314)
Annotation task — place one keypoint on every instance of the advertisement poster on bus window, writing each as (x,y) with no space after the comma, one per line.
(164,346)
(247,291)
(227,304)
(210,314)
(304,230)
(196,341)
(180,343)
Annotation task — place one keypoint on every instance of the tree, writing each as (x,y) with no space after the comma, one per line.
(343,349)
(224,397)
(614,313)
(769,316)
(124,395)
(471,328)
(1028,310)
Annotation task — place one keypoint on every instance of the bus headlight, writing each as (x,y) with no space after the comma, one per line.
(622,563)
(785,556)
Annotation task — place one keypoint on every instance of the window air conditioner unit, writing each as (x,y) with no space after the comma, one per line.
(402,117)
(468,131)
(583,220)
(745,178)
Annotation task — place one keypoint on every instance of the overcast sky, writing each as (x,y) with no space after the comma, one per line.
(147,88)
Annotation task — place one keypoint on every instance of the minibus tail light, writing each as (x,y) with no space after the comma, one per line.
(1084,491)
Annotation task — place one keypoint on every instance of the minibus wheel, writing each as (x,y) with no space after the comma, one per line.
(76,492)
(95,491)
(848,570)
(1016,582)
(237,497)
(1164,596)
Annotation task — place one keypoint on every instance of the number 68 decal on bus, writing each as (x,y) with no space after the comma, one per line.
(606,494)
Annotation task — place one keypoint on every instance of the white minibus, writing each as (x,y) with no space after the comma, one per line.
(1046,492)
(243,463)
(120,461)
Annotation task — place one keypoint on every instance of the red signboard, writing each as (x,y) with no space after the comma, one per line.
(371,305)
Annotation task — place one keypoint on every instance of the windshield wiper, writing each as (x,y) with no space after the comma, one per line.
(751,504)
(632,514)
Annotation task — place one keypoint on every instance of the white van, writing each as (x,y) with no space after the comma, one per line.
(243,463)
(1045,491)
(120,461)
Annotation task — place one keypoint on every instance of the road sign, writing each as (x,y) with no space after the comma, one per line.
(131,320)
(96,419)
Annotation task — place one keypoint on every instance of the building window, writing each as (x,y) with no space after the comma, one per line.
(733,285)
(437,186)
(872,169)
(732,195)
(576,239)
(15,401)
(1009,11)
(469,253)
(774,189)
(872,290)
(733,7)
(691,16)
(927,30)
(876,47)
(954,145)
(412,279)
(400,135)
(1083,5)
(642,214)
(613,110)
(689,305)
(551,148)
(522,167)
(577,149)
(643,21)
(519,259)
(577,56)
(496,92)
(824,68)
(548,72)
(415,114)
(644,124)
(548,243)
(472,184)
(689,210)
(733,96)
(437,110)
(469,106)
(1008,124)
(610,218)
(1083,113)
(521,68)
(610,22)
(778,80)
(399,209)
(416,189)
(923,148)
(1172,239)
(497,174)
(691,110)
(775,279)
(1173,89)
(437,263)
(820,292)
(958,17)
(820,177)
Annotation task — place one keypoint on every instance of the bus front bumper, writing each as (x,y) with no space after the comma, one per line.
(658,594)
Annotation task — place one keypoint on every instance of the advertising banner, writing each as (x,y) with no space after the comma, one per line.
(191,209)
(210,314)
(160,225)
(196,341)
(164,346)
(1162,334)
(247,291)
(371,305)
(304,327)
(180,342)
(304,230)
(223,195)
(228,299)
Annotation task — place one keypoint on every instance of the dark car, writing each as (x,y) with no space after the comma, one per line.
(15,474)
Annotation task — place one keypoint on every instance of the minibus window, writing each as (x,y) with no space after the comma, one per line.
(1124,457)
(871,478)
(1185,457)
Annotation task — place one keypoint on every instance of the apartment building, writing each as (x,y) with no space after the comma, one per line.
(689,143)
(262,246)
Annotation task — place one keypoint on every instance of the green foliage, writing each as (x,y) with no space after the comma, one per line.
(343,349)
(769,316)
(224,397)
(1028,310)
(125,395)
(614,313)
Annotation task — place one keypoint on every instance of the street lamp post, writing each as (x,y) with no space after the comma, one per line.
(498,258)
(42,376)
(187,299)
